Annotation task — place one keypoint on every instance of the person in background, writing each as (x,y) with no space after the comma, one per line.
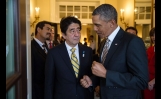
(121,73)
(131,30)
(38,58)
(57,40)
(149,93)
(51,39)
(62,40)
(92,44)
(85,42)
(61,79)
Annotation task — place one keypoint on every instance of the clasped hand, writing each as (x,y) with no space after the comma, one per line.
(97,69)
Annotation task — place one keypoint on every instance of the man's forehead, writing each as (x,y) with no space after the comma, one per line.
(71,28)
(47,25)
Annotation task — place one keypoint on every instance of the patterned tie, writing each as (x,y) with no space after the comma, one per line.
(44,48)
(105,50)
(74,61)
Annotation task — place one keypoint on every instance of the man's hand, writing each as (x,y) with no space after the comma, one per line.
(151,84)
(98,69)
(86,81)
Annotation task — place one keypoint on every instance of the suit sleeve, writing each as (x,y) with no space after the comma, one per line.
(135,62)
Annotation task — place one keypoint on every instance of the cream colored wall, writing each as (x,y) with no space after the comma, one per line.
(45,12)
(32,14)
(153,14)
(128,6)
(112,2)
(139,28)
(44,9)
(84,33)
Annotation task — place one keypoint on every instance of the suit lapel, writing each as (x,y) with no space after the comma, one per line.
(65,56)
(38,48)
(115,44)
(46,45)
(81,58)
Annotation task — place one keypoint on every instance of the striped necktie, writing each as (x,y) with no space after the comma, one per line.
(44,48)
(105,50)
(74,62)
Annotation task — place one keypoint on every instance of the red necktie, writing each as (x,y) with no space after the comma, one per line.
(50,45)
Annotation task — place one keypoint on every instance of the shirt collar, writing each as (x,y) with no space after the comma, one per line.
(69,47)
(113,34)
(39,42)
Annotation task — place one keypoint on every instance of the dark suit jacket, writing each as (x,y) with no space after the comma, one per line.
(126,64)
(60,79)
(38,66)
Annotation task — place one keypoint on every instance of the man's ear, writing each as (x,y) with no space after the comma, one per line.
(112,23)
(38,29)
(64,36)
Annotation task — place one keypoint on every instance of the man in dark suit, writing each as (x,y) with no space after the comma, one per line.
(61,81)
(38,55)
(124,72)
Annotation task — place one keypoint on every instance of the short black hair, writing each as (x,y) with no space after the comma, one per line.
(132,28)
(41,24)
(152,32)
(66,21)
(106,12)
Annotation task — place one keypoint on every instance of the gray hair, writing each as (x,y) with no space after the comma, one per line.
(106,11)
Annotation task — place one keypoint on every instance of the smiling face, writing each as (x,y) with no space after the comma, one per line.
(73,34)
(101,27)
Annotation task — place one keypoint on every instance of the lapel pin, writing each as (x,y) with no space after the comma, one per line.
(83,54)
(116,44)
